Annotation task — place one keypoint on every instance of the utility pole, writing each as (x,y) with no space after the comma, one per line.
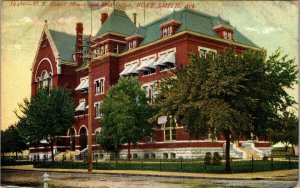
(90,120)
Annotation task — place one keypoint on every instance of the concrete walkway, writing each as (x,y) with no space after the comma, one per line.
(291,175)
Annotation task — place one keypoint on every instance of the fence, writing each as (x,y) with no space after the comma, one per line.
(180,165)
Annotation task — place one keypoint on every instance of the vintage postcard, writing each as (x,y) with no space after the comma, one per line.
(94,48)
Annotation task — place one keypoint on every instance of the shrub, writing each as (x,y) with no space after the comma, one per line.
(216,158)
(207,158)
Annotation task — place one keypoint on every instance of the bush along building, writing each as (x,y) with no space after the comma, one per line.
(149,52)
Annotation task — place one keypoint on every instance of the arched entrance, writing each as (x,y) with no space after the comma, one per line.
(83,138)
(72,139)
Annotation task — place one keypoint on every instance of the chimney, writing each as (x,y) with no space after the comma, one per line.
(134,18)
(79,44)
(104,17)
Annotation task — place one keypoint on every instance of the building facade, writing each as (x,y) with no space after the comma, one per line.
(148,52)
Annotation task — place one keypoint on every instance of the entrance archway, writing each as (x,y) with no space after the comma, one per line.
(83,138)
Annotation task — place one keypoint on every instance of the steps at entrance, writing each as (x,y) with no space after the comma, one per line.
(68,155)
(250,152)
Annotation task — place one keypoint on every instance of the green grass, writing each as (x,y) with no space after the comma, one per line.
(195,166)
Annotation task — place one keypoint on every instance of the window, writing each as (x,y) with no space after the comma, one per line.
(130,45)
(116,48)
(165,31)
(229,36)
(202,53)
(150,92)
(97,105)
(45,79)
(170,30)
(225,34)
(134,44)
(170,130)
(206,52)
(106,48)
(99,86)
(166,60)
(102,50)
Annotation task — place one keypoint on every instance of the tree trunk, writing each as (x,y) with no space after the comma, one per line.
(52,153)
(286,146)
(227,153)
(293,150)
(16,155)
(128,156)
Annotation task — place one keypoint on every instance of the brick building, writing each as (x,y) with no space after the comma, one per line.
(149,52)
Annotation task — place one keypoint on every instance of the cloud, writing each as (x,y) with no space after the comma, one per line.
(263,30)
(67,20)
(28,20)
(12,47)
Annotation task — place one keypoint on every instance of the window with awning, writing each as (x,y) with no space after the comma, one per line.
(83,85)
(81,107)
(165,59)
(130,69)
(147,63)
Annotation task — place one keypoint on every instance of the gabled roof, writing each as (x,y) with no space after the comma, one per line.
(117,22)
(190,21)
(65,44)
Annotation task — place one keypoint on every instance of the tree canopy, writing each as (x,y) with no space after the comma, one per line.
(228,94)
(286,130)
(125,115)
(47,115)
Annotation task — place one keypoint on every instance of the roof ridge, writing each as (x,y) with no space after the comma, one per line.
(62,32)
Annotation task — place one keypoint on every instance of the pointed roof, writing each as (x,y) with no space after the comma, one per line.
(190,21)
(65,44)
(117,22)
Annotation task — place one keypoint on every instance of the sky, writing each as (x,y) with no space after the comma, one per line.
(269,24)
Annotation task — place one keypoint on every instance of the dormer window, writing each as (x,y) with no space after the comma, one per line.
(132,44)
(225,32)
(169,28)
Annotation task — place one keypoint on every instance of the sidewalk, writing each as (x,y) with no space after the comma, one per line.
(291,175)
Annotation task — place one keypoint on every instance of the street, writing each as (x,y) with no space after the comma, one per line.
(59,179)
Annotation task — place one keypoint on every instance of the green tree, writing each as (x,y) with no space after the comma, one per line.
(226,94)
(125,115)
(4,143)
(286,131)
(11,141)
(48,115)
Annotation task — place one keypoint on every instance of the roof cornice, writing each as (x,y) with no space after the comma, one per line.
(192,33)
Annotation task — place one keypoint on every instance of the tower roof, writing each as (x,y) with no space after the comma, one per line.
(117,22)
